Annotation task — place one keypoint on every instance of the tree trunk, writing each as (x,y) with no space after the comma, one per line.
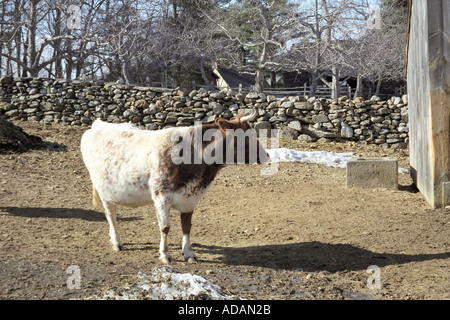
(273,79)
(259,80)
(378,89)
(202,71)
(126,70)
(358,90)
(335,86)
(57,45)
(314,82)
(32,54)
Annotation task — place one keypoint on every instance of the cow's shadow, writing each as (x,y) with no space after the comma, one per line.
(61,213)
(311,256)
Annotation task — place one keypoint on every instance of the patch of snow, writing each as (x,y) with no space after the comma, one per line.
(403,170)
(166,283)
(331,159)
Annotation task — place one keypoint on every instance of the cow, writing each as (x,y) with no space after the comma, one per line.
(132,167)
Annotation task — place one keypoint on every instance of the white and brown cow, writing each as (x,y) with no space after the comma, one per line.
(133,167)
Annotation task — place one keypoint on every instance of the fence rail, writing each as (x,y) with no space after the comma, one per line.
(322,91)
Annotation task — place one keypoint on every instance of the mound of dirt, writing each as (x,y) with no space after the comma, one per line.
(14,139)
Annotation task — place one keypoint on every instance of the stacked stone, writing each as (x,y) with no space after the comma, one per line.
(79,103)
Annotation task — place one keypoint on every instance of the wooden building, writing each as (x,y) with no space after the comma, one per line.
(428,74)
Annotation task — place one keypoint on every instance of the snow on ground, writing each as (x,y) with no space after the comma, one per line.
(330,159)
(166,283)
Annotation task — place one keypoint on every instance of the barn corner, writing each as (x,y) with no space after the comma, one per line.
(428,73)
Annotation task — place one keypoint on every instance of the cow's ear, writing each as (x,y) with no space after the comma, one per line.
(223,124)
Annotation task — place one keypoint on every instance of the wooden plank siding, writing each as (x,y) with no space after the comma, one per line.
(428,73)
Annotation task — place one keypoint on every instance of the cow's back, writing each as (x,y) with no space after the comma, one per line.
(121,160)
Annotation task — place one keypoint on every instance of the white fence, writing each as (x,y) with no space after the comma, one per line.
(322,91)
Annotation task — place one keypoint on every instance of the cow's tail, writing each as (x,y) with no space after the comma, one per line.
(95,198)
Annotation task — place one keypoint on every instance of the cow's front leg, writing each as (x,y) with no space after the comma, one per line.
(162,213)
(186,224)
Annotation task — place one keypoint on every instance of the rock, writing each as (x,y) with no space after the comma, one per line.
(342,98)
(384,111)
(85,120)
(285,132)
(12,113)
(160,116)
(263,127)
(277,118)
(287,104)
(396,100)
(252,95)
(209,119)
(5,106)
(6,79)
(216,95)
(240,97)
(320,118)
(171,119)
(399,145)
(322,134)
(218,109)
(141,104)
(151,126)
(303,105)
(377,119)
(293,112)
(405,98)
(295,125)
(346,130)
(403,129)
(306,138)
(271,98)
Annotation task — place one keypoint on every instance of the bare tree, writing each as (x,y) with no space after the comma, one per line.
(257,32)
(324,50)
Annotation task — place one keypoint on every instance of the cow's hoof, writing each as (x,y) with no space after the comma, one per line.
(191,260)
(118,248)
(165,260)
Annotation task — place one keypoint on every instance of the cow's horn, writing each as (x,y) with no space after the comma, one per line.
(251,116)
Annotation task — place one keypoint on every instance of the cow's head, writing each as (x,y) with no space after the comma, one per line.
(241,143)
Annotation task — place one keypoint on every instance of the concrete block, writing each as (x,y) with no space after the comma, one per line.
(372,173)
(446,194)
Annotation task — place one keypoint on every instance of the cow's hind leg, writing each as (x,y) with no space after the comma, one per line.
(110,210)
(186,224)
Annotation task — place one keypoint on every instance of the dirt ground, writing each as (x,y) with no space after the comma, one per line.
(298,234)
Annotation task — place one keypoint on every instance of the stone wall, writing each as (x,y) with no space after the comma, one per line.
(79,103)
